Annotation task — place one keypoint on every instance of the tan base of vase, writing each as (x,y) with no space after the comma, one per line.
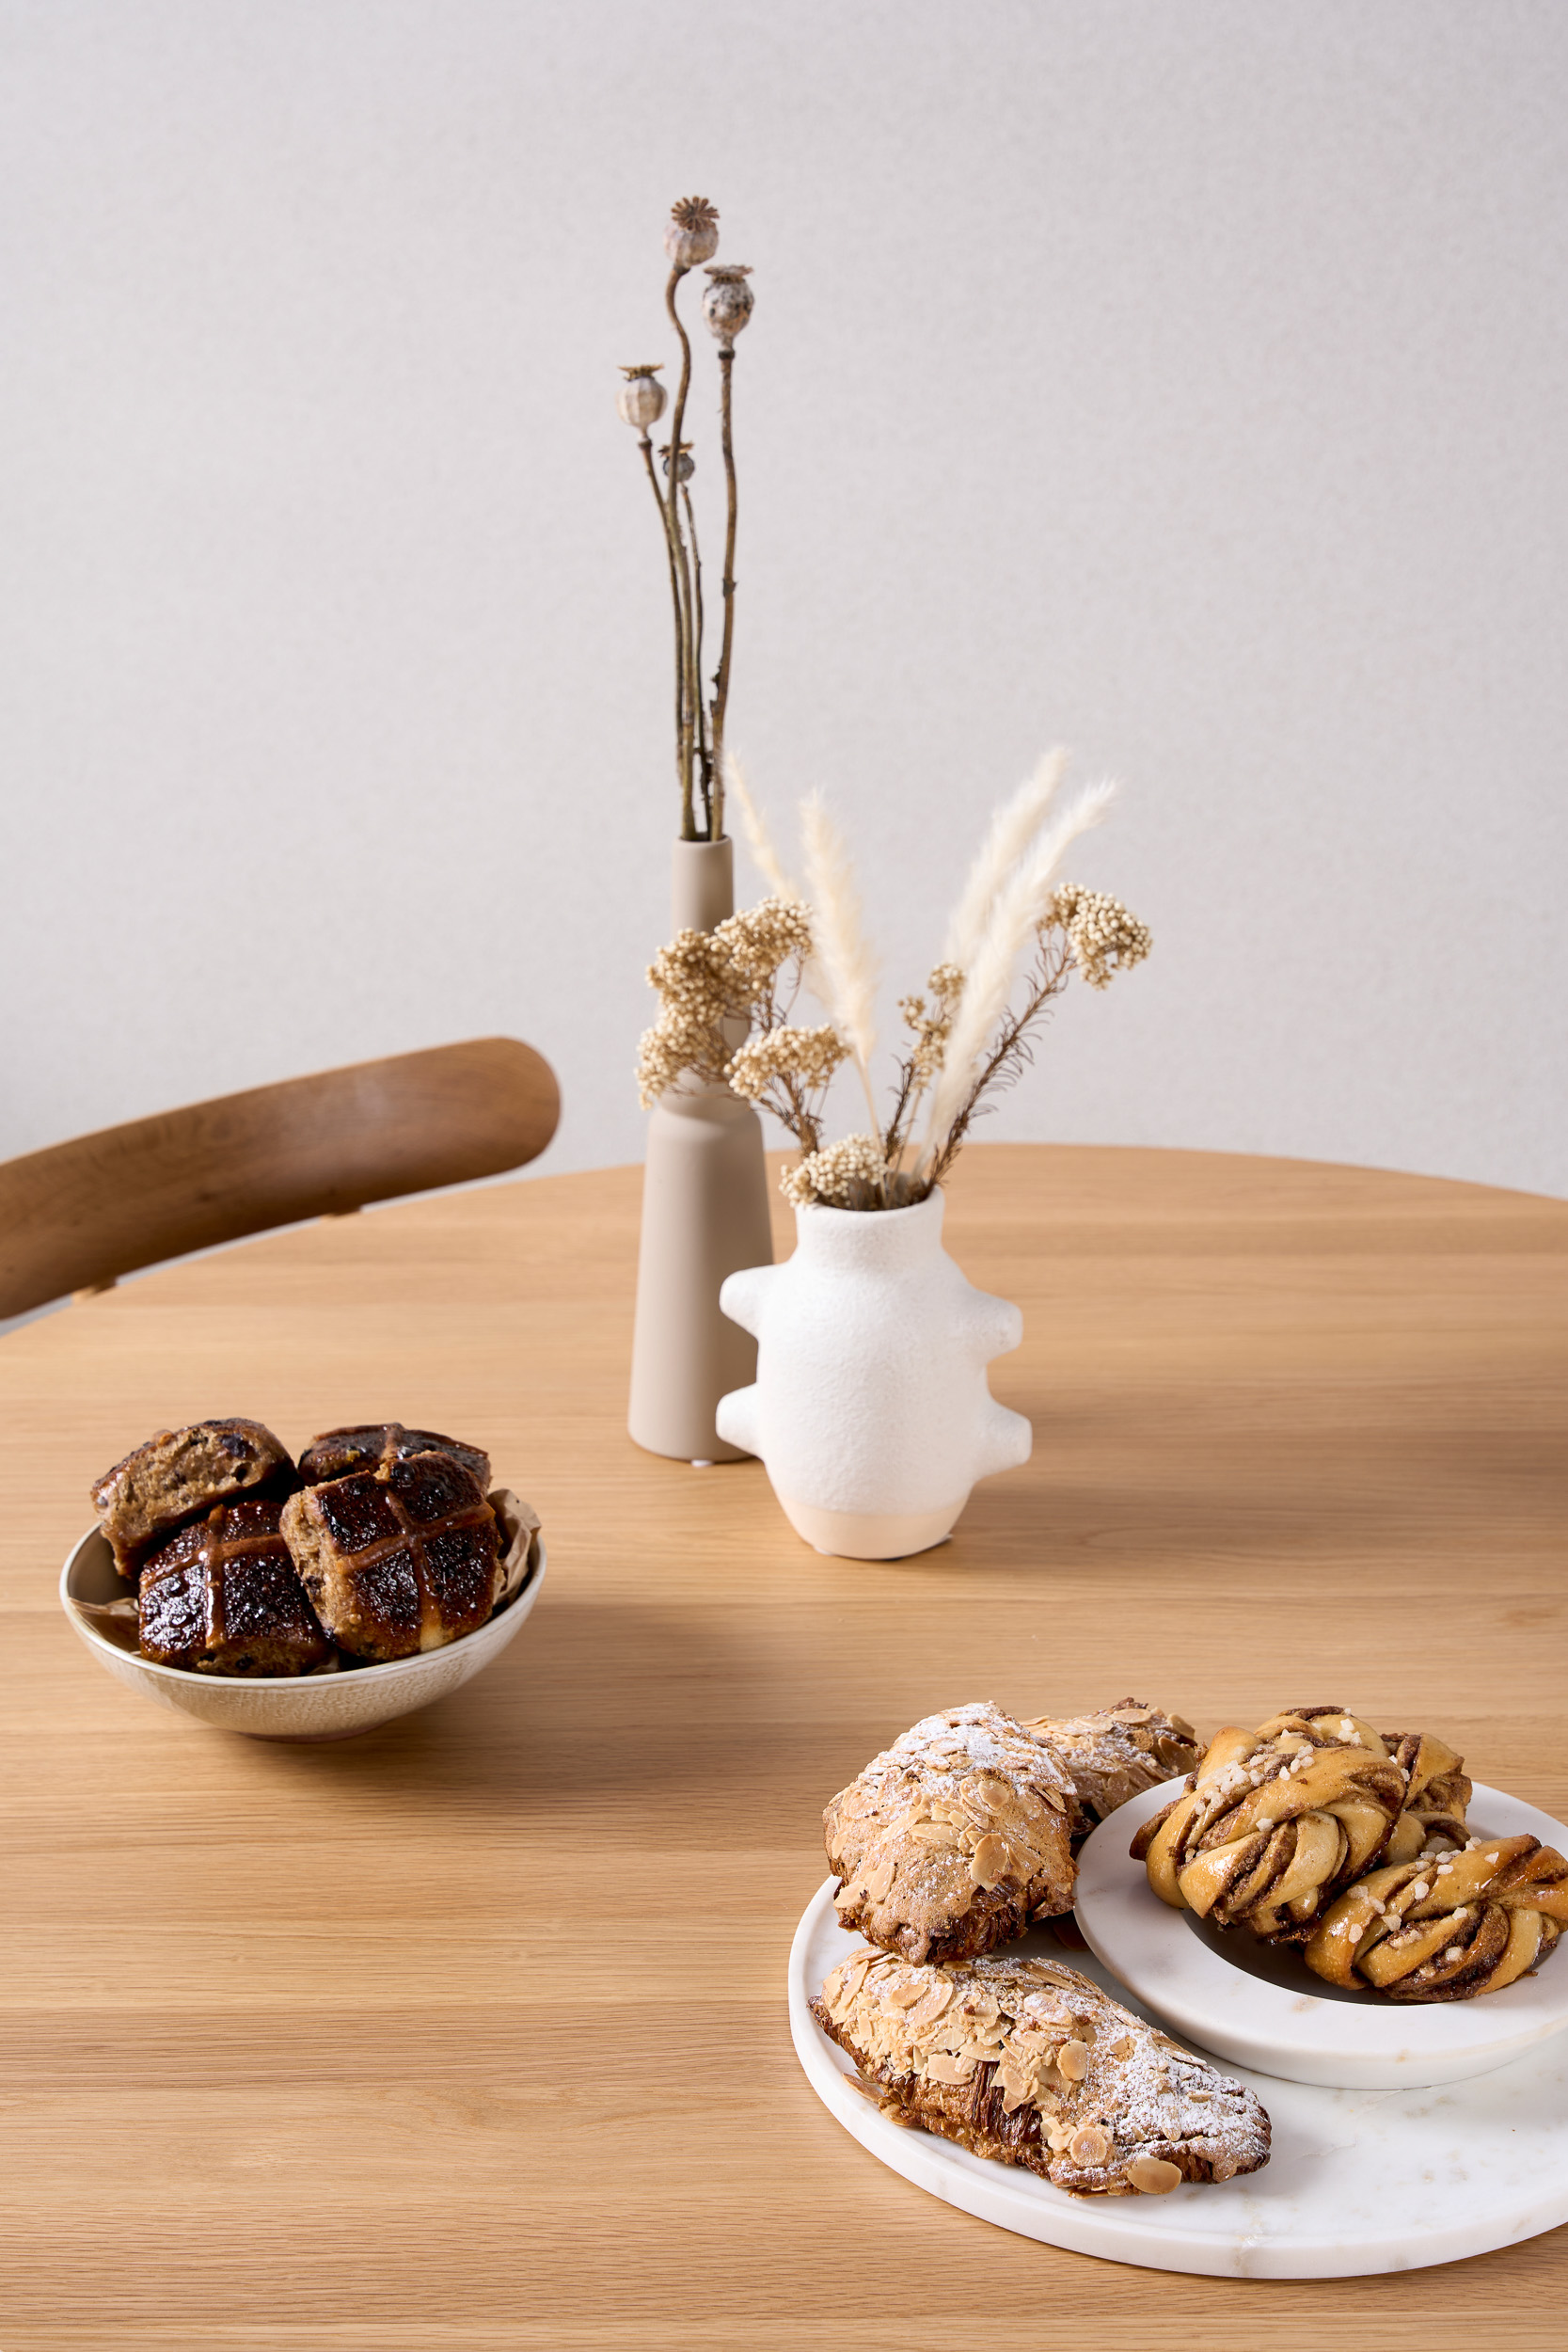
(871,1534)
(705,1216)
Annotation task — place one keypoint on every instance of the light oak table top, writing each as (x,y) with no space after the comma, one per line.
(471,2033)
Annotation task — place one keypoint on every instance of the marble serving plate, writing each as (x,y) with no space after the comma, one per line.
(1263,2007)
(306,1707)
(1358,2182)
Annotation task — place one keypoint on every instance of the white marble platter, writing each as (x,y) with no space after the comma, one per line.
(1359,2181)
(1255,2006)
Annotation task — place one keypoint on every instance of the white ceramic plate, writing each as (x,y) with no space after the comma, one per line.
(303,1706)
(1359,2181)
(1266,2009)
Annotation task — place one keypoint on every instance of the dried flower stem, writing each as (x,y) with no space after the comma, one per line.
(647,447)
(1011,1050)
(684,747)
(705,756)
(1015,916)
(721,677)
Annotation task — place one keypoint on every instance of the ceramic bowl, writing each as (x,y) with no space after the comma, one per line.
(1262,2006)
(308,1707)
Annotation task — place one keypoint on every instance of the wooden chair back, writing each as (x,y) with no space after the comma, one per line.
(79,1214)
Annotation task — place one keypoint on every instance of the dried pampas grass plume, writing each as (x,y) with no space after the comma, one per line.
(1006,839)
(1015,916)
(765,857)
(845,969)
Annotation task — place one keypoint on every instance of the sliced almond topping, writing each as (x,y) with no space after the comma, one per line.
(947,2066)
(1153,2175)
(1072,2061)
(938,1995)
(879,1880)
(1089,2145)
(991,1863)
(1123,2048)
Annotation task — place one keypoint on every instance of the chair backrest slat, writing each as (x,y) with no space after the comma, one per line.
(102,1205)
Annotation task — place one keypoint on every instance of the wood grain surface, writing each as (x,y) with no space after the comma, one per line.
(471,2034)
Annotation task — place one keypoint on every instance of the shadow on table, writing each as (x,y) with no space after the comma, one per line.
(592,1701)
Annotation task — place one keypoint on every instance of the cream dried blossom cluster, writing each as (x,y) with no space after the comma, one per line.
(1105,938)
(716,986)
(847,1175)
(810,1055)
(757,942)
(931,1025)
(727,997)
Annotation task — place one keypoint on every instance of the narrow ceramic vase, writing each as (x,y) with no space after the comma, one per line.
(704,1213)
(870,1407)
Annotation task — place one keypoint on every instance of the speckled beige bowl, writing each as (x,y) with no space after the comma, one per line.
(309,1707)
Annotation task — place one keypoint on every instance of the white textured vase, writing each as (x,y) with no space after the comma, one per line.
(705,1212)
(870,1407)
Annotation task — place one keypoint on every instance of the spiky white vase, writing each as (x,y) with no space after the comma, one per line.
(870,1407)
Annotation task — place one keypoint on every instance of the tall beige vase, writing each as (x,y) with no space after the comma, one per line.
(705,1216)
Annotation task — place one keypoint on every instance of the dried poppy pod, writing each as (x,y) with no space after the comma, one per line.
(693,235)
(727,302)
(1276,1821)
(1446,1927)
(642,397)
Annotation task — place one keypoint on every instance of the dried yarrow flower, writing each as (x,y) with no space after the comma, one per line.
(1105,938)
(848,1175)
(708,978)
(759,941)
(673,1047)
(810,1055)
(931,1023)
(693,974)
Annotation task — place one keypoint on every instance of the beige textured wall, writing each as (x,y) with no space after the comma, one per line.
(1184,380)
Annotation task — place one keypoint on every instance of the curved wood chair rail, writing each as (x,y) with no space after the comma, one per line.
(79,1214)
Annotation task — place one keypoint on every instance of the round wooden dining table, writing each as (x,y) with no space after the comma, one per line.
(470,2033)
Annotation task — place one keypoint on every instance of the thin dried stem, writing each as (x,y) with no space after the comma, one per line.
(646,446)
(1014,918)
(1011,1050)
(706,762)
(684,748)
(721,676)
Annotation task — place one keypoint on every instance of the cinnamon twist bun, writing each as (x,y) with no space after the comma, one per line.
(1446,1927)
(1276,1822)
